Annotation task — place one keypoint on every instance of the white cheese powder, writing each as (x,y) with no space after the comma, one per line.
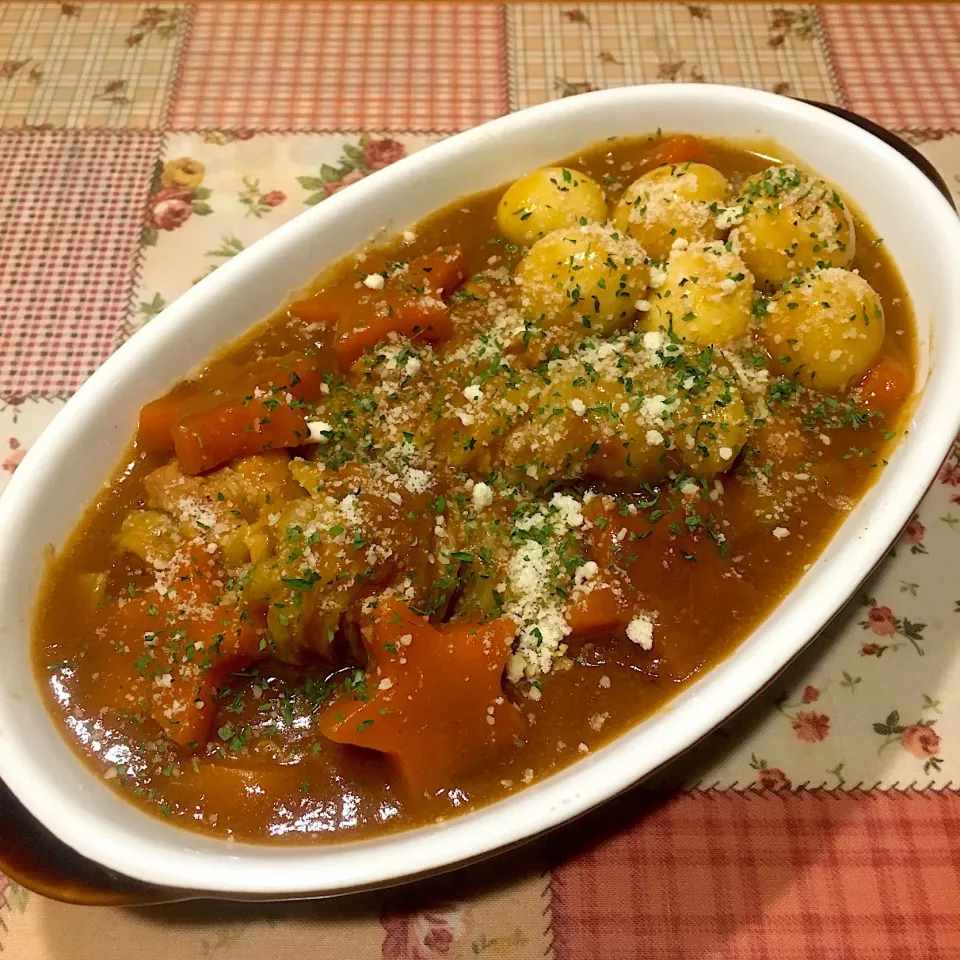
(640,631)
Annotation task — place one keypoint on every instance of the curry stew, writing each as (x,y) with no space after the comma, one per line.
(488,496)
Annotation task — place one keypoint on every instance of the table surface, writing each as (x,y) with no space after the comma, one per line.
(822,822)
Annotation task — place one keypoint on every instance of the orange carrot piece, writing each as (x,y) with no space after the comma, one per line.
(412,307)
(443,710)
(156,423)
(424,319)
(193,645)
(185,709)
(301,377)
(597,611)
(441,271)
(886,385)
(212,437)
(322,308)
(159,417)
(682,149)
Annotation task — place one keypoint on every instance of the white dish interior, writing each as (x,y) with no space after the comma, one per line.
(67,466)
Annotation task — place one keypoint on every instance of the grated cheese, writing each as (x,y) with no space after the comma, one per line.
(482,496)
(640,631)
(320,431)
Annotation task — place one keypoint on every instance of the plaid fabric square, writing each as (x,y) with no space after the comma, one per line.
(87,65)
(747,876)
(898,64)
(558,50)
(342,66)
(71,212)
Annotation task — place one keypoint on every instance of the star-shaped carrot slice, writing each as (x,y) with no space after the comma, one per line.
(432,699)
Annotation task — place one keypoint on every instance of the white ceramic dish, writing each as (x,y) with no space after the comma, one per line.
(76,454)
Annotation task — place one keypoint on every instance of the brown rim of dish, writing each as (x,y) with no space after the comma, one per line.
(33,857)
(891,140)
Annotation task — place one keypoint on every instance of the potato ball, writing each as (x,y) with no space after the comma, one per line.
(631,412)
(585,423)
(705,294)
(548,200)
(474,421)
(587,276)
(826,328)
(710,424)
(670,202)
(792,222)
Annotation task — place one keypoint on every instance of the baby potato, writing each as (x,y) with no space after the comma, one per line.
(631,450)
(578,428)
(826,328)
(582,277)
(711,425)
(548,200)
(469,434)
(671,202)
(792,222)
(541,451)
(704,295)
(629,412)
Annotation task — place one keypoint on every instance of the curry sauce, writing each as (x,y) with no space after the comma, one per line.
(486,498)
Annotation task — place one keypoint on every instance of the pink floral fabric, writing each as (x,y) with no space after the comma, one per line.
(429,934)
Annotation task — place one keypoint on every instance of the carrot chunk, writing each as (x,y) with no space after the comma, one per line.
(185,708)
(188,644)
(322,308)
(682,149)
(597,611)
(441,271)
(159,417)
(432,699)
(425,318)
(412,305)
(212,437)
(886,385)
(301,377)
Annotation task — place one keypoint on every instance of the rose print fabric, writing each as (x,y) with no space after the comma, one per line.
(224,190)
(874,703)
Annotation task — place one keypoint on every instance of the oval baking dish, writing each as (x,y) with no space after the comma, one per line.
(921,234)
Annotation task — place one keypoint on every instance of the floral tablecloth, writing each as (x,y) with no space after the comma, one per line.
(143,145)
